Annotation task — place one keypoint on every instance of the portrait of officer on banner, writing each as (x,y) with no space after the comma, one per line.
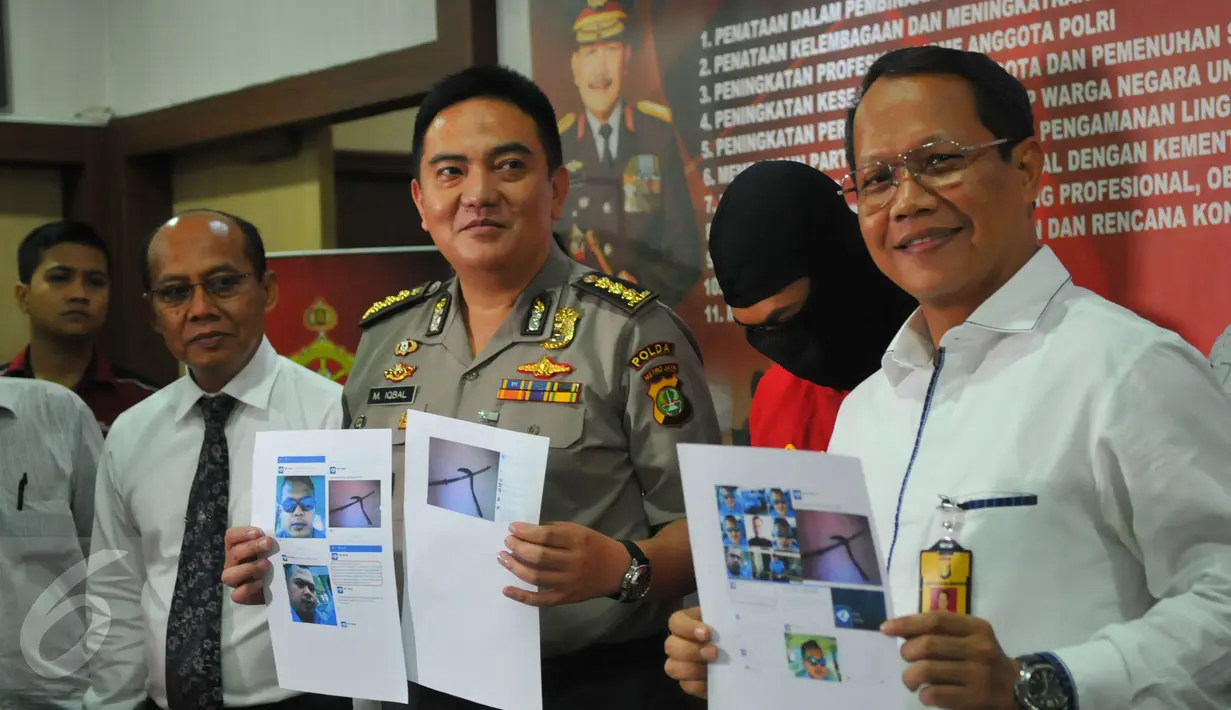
(629,212)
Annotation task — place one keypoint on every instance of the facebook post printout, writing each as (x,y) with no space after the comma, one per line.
(465,483)
(791,579)
(333,614)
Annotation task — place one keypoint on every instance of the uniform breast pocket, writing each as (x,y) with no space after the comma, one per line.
(562,424)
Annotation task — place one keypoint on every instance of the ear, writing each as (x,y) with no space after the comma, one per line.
(416,194)
(20,292)
(1028,163)
(559,192)
(270,283)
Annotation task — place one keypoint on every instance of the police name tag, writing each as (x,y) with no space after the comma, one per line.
(392,395)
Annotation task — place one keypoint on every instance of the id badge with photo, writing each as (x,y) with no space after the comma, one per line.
(946,569)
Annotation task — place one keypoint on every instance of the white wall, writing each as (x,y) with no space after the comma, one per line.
(56,50)
(166,52)
(513,34)
(67,56)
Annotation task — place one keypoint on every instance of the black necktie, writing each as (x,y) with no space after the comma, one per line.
(194,628)
(607,155)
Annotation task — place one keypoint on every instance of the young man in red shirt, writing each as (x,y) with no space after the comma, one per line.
(64,288)
(792,266)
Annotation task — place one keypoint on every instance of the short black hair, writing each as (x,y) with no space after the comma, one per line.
(1001,101)
(254,246)
(811,643)
(490,82)
(302,480)
(34,247)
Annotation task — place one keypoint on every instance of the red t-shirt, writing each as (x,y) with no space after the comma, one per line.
(788,412)
(106,389)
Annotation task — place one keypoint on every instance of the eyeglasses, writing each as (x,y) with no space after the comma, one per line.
(814,660)
(288,505)
(218,286)
(936,165)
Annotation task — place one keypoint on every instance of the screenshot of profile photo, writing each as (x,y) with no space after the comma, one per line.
(300,504)
(310,594)
(837,548)
(759,533)
(462,478)
(812,657)
(354,504)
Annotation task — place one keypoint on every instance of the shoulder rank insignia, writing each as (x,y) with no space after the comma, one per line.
(563,329)
(566,122)
(656,110)
(536,320)
(439,313)
(545,369)
(399,302)
(615,290)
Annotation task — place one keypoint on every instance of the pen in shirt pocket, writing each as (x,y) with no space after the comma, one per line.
(21,490)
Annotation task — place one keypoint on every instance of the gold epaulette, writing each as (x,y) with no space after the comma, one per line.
(566,122)
(656,110)
(397,303)
(625,294)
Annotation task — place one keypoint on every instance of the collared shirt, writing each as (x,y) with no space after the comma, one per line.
(107,389)
(146,474)
(1220,360)
(49,447)
(613,140)
(1122,568)
(612,462)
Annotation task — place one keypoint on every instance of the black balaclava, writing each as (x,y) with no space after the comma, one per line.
(780,221)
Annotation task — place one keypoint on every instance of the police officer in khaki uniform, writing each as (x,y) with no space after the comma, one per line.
(526,339)
(629,212)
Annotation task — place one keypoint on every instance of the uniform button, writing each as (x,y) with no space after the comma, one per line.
(472,375)
(534,429)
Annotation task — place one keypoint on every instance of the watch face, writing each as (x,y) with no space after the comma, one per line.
(1044,689)
(641,583)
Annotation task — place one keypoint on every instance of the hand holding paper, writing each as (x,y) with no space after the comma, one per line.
(955,661)
(689,651)
(245,567)
(568,562)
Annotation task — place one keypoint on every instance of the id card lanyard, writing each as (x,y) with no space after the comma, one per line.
(946,569)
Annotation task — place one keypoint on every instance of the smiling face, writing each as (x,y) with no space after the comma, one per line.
(949,247)
(69,291)
(216,335)
(484,191)
(598,71)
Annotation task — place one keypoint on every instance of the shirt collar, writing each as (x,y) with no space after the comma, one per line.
(8,397)
(1016,307)
(253,385)
(98,371)
(613,120)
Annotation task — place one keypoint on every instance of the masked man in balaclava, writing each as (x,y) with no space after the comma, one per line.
(793,268)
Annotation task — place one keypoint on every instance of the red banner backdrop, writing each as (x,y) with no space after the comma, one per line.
(322,295)
(1131,98)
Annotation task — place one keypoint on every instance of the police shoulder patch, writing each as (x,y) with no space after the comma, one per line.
(566,122)
(625,294)
(397,303)
(656,110)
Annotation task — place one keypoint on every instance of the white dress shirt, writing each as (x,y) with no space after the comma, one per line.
(615,120)
(149,461)
(1123,567)
(49,438)
(1220,360)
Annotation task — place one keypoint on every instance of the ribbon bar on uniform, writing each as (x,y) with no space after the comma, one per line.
(539,391)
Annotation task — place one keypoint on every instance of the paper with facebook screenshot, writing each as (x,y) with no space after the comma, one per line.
(465,483)
(326,497)
(791,579)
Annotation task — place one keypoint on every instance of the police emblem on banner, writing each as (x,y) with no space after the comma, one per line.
(643,186)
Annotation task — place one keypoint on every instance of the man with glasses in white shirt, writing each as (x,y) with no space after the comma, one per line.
(1102,576)
(176,471)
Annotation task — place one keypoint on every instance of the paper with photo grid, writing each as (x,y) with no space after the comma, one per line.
(350,646)
(791,579)
(465,483)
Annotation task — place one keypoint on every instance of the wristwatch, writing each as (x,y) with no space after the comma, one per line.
(636,582)
(1044,684)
